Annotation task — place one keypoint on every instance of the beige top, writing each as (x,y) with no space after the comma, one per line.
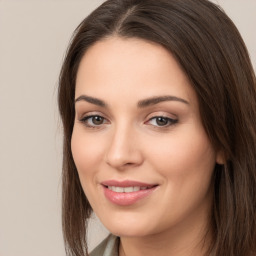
(108,247)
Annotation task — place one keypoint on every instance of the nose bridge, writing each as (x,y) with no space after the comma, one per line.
(123,149)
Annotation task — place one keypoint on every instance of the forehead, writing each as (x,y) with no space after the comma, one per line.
(131,66)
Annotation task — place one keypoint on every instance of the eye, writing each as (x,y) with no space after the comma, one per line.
(93,121)
(161,121)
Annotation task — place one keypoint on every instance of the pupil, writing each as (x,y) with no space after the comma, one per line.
(161,121)
(97,120)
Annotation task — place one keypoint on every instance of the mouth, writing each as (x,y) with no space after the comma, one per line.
(124,193)
(127,189)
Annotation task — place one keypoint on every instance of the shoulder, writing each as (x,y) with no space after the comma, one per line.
(108,247)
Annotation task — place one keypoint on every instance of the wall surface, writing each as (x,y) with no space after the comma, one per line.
(33,37)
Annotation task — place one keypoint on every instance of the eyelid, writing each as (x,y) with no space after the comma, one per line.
(162,114)
(83,115)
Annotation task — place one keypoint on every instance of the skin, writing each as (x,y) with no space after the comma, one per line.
(127,143)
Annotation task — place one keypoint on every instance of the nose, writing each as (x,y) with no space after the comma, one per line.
(124,150)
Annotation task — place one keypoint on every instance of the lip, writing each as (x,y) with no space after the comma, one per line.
(126,183)
(127,198)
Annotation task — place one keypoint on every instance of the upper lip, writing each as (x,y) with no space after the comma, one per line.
(126,183)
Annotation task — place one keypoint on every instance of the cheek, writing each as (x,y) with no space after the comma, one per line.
(185,158)
(87,153)
(186,165)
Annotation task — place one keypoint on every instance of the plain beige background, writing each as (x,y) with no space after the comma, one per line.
(33,37)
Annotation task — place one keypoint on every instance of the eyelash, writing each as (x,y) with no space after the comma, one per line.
(168,120)
(85,121)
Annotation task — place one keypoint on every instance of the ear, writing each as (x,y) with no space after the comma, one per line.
(220,157)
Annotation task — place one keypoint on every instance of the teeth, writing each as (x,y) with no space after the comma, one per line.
(119,189)
(129,189)
(126,189)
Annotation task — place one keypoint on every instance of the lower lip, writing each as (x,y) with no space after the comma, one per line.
(129,198)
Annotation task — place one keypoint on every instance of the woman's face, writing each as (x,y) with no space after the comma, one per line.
(143,158)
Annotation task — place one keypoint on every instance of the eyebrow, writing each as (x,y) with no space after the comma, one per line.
(92,100)
(158,99)
(141,104)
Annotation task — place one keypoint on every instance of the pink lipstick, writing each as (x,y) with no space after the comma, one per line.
(126,192)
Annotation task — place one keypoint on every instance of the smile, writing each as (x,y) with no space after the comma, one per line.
(125,193)
(126,189)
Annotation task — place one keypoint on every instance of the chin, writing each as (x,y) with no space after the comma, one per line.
(128,227)
(129,231)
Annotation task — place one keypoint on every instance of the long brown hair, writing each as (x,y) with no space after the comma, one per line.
(211,52)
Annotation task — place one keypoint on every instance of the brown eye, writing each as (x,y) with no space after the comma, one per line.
(94,121)
(97,120)
(162,121)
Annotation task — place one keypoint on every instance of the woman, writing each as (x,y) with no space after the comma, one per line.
(158,103)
